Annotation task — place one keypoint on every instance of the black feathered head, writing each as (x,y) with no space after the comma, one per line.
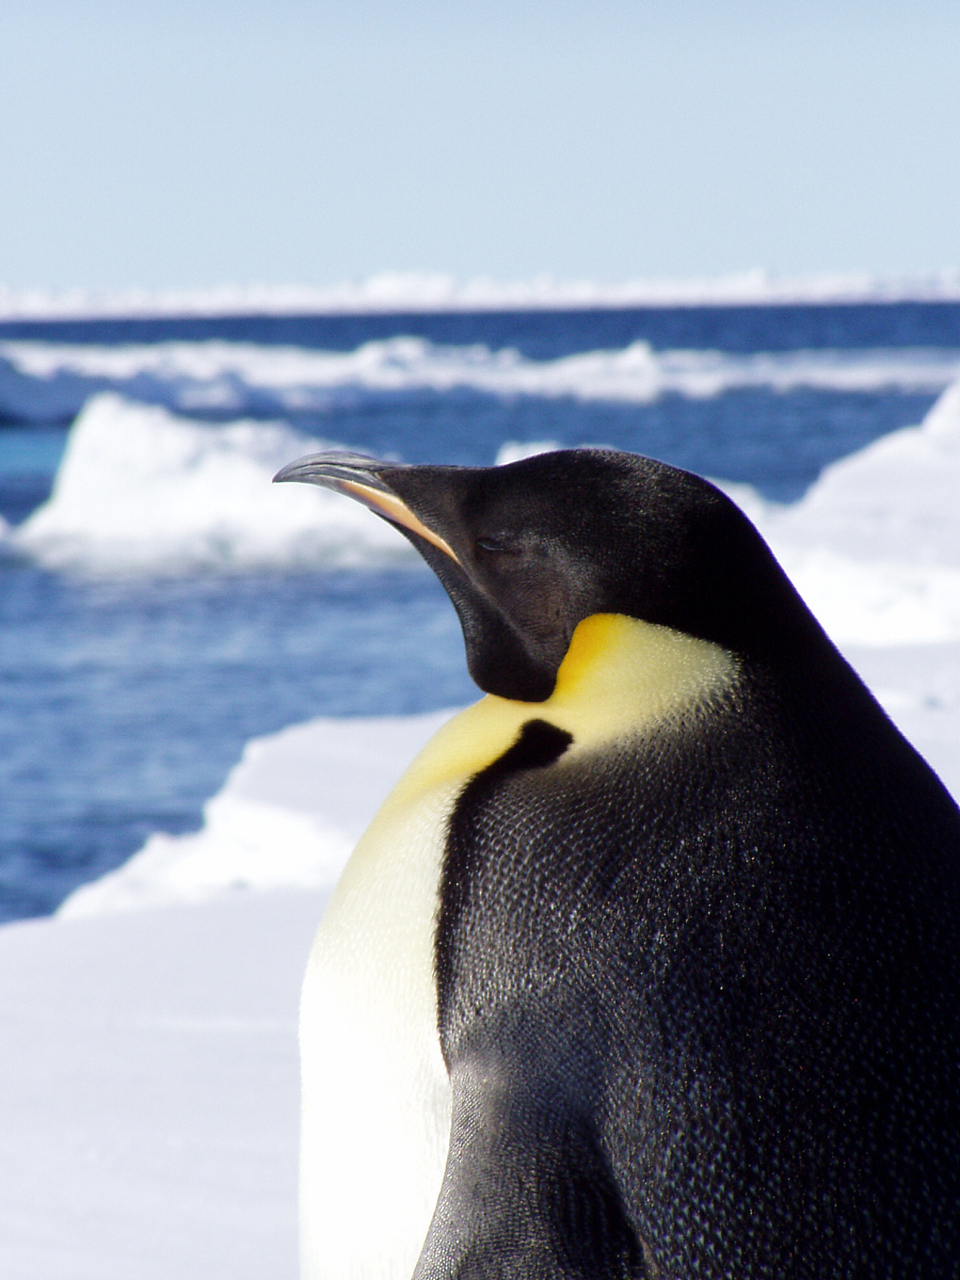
(526,551)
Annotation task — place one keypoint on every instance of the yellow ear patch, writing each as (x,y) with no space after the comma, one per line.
(619,676)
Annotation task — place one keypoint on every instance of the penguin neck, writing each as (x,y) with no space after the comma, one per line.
(620,677)
(625,672)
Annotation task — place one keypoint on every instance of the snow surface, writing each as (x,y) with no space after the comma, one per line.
(395,291)
(149,1092)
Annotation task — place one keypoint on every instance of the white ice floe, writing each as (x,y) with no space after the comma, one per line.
(45,381)
(139,490)
(874,545)
(288,814)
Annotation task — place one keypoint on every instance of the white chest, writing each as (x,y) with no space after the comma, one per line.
(376,1096)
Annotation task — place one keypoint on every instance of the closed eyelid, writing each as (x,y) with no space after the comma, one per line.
(501,545)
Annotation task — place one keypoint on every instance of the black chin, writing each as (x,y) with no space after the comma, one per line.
(498,658)
(505,656)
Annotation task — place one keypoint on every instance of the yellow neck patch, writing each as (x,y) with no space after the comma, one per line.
(619,676)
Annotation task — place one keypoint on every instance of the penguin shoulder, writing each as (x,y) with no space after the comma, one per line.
(620,678)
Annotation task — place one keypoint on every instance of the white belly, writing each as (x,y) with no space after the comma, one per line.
(376,1096)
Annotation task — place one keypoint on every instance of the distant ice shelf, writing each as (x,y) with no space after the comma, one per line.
(395,291)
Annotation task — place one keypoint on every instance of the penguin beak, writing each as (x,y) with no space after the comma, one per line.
(429,505)
(359,477)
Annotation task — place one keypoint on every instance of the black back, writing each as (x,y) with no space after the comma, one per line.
(700,999)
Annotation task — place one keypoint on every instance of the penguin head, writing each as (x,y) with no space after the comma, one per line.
(528,550)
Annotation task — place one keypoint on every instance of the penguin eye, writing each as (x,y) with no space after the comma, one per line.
(496,546)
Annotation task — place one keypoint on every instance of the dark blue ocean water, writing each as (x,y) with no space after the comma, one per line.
(545,335)
(123,703)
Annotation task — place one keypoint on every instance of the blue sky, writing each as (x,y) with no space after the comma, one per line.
(166,144)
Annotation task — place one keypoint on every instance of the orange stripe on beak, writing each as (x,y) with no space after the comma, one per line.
(396,511)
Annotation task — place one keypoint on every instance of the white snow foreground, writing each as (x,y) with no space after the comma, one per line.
(149,1092)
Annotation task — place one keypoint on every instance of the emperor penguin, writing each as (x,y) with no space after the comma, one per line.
(649,967)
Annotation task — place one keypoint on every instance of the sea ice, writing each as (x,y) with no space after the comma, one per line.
(149,1092)
(141,490)
(874,545)
(42,381)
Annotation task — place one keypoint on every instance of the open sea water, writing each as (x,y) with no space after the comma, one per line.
(126,697)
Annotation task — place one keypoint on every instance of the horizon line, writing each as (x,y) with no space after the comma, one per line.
(390,292)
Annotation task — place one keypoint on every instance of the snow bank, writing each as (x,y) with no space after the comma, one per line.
(42,381)
(139,489)
(874,546)
(391,291)
(288,815)
(149,1092)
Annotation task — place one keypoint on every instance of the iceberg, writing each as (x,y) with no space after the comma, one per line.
(139,489)
(874,545)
